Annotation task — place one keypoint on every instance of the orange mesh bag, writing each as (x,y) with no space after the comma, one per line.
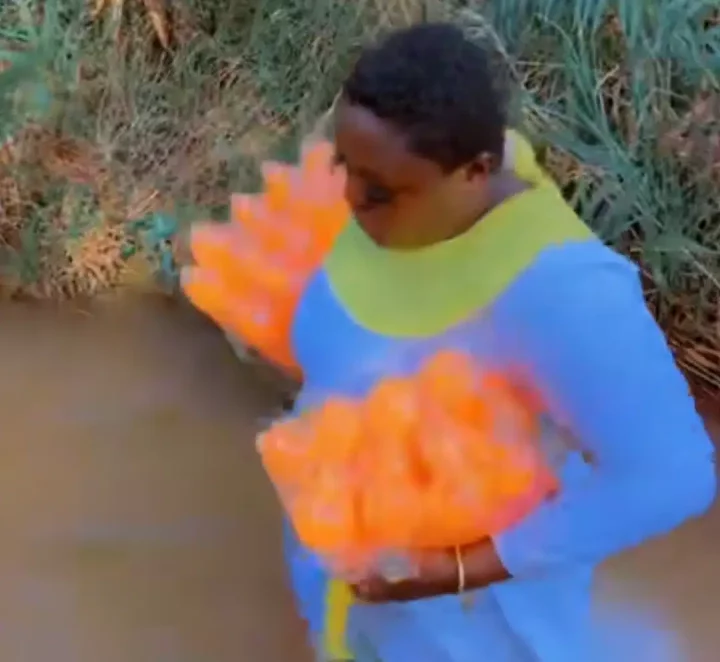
(249,274)
(446,457)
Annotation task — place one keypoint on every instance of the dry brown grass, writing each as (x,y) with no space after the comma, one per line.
(66,263)
(155,10)
(139,131)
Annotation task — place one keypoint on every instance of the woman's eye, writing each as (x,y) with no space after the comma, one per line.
(378,195)
(338,159)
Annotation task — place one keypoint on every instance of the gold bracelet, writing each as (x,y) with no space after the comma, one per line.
(460,570)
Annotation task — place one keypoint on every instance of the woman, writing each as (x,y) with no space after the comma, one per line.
(450,246)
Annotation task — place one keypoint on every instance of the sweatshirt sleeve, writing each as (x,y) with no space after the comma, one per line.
(604,369)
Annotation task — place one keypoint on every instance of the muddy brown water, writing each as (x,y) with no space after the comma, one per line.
(136,524)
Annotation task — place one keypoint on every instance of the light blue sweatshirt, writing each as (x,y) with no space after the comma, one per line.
(622,431)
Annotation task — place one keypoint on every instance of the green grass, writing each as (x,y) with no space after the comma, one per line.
(622,97)
(625,98)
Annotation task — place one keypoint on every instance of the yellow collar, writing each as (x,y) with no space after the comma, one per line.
(424,292)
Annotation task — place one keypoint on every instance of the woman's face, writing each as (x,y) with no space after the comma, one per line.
(399,198)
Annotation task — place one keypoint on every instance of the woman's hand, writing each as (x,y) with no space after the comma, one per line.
(435,574)
(438,574)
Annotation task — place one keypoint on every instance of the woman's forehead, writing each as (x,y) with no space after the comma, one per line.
(375,148)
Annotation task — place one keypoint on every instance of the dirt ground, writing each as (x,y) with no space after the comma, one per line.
(136,523)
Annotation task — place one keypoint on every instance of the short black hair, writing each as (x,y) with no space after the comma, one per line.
(437,86)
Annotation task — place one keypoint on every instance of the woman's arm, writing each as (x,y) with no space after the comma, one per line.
(606,371)
(602,364)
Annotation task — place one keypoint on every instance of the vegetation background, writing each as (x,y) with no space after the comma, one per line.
(121,120)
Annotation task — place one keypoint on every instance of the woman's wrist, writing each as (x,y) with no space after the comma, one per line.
(482,565)
(463,568)
(441,572)
(447,572)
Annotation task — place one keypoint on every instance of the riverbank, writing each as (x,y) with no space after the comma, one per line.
(120,127)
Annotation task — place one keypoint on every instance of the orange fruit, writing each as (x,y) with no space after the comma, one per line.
(277,185)
(390,507)
(206,292)
(450,381)
(337,432)
(285,450)
(265,327)
(391,408)
(325,517)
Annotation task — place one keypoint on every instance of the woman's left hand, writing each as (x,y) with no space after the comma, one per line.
(440,573)
(435,575)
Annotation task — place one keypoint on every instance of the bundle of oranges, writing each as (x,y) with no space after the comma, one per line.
(443,458)
(249,274)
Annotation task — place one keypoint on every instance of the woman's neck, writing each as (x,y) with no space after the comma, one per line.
(501,187)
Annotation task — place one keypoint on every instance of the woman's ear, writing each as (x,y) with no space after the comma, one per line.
(483,166)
